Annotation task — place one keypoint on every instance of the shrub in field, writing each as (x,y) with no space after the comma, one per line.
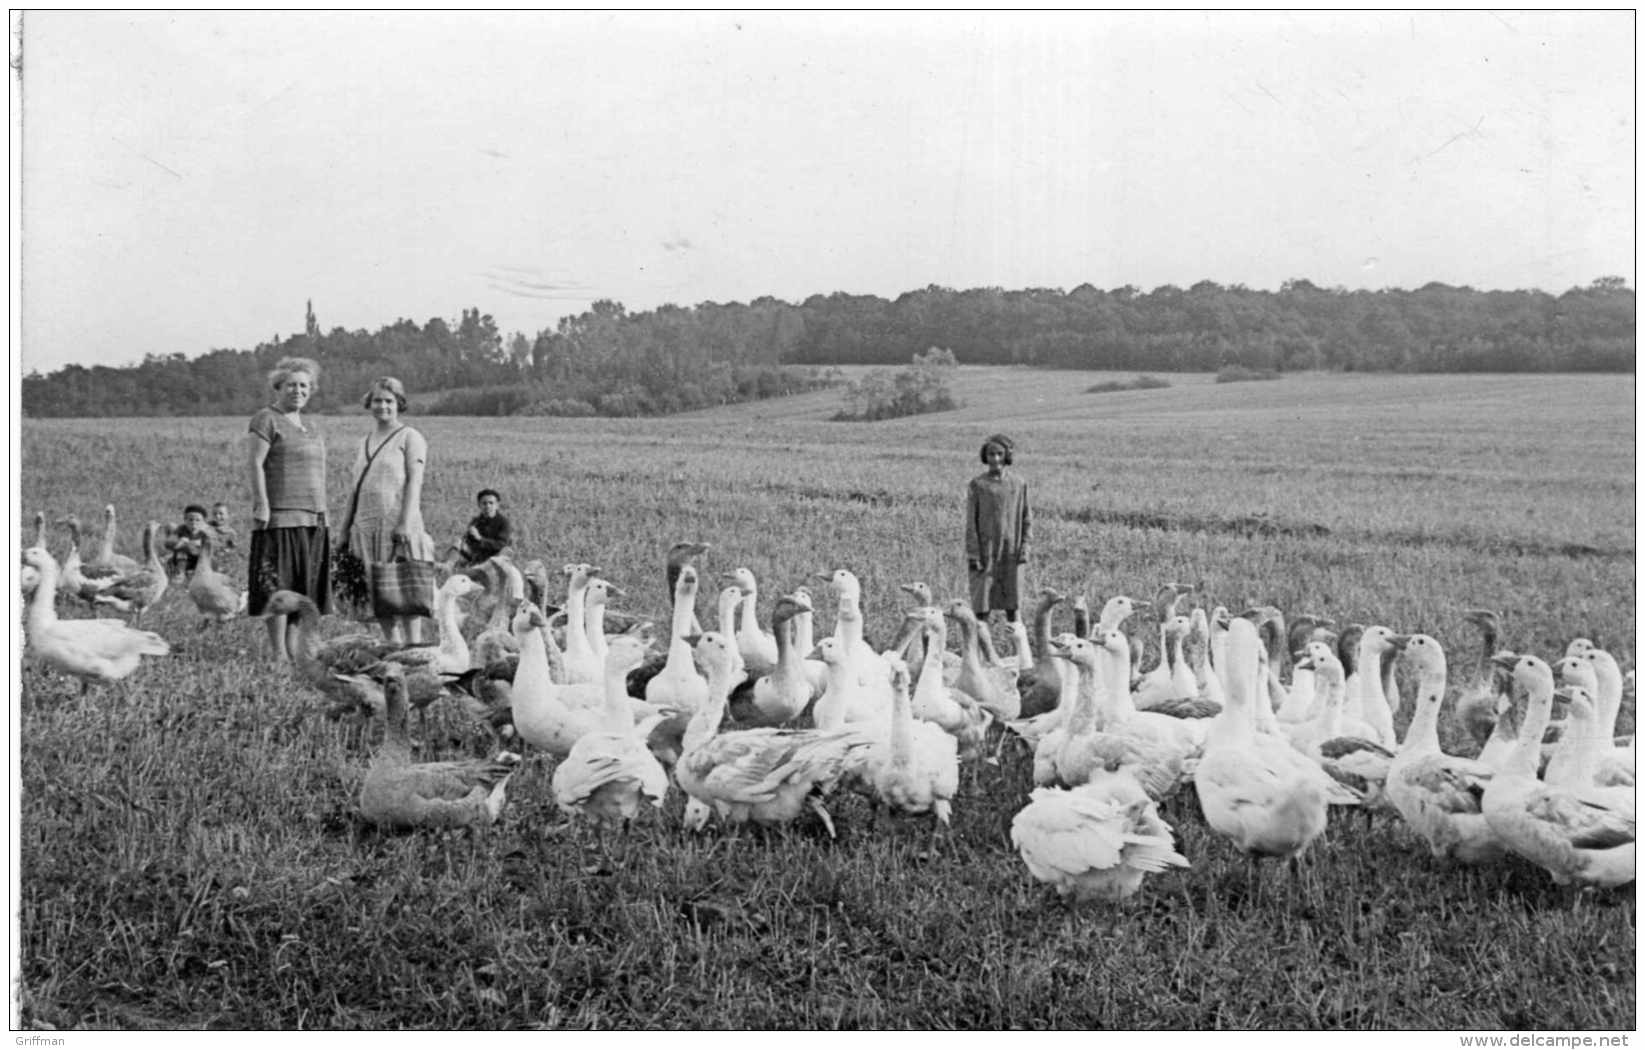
(922,387)
(1109,386)
(482,401)
(558,406)
(1241,374)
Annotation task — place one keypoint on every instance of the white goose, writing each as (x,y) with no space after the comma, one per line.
(757,648)
(1574,762)
(609,772)
(1615,765)
(90,650)
(1586,753)
(1157,685)
(919,772)
(1095,842)
(451,655)
(678,686)
(1376,644)
(549,715)
(767,776)
(730,599)
(582,663)
(1186,736)
(73,581)
(1573,833)
(933,701)
(1439,795)
(1255,789)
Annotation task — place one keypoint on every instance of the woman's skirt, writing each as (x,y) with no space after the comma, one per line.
(289,559)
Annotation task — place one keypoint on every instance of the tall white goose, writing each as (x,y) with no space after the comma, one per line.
(1574,762)
(920,771)
(1573,833)
(1439,795)
(400,793)
(1376,645)
(1586,752)
(1157,685)
(1302,698)
(582,663)
(91,650)
(678,686)
(934,701)
(767,776)
(610,772)
(731,598)
(452,655)
(547,714)
(1095,842)
(757,648)
(867,667)
(1608,698)
(1186,735)
(1255,789)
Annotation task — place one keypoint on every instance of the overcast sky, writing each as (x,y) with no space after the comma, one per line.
(191,179)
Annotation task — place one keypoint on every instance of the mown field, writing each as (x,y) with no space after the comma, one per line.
(190,856)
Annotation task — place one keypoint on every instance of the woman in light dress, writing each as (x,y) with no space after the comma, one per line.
(388,510)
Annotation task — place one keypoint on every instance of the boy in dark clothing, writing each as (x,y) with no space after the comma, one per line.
(183,546)
(489,533)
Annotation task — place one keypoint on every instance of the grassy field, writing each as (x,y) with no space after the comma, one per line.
(190,855)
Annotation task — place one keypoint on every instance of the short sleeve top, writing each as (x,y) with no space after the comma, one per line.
(295,470)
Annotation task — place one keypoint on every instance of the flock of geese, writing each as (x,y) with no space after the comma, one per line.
(1271,724)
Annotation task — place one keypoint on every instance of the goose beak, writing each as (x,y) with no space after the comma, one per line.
(1399,642)
(1304,664)
(614,591)
(691,639)
(1505,660)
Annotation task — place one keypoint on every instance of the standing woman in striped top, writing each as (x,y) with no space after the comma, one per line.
(290,545)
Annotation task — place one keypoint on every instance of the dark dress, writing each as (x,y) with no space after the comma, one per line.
(996,536)
(294,552)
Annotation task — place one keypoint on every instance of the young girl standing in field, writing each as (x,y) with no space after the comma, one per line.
(996,535)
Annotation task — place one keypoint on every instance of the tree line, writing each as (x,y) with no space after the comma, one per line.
(608,361)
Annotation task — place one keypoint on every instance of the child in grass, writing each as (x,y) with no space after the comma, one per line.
(489,533)
(183,545)
(996,536)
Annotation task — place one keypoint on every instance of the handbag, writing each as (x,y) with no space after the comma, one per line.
(402,586)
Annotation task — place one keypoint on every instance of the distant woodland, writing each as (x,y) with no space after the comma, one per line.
(607,361)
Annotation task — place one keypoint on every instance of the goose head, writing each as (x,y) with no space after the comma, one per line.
(919,590)
(1080,652)
(685,588)
(829,651)
(742,578)
(1579,646)
(1117,610)
(1579,707)
(1577,671)
(842,583)
(528,618)
(1424,653)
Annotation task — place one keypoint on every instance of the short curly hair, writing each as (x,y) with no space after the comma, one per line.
(287,365)
(386,385)
(1006,445)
